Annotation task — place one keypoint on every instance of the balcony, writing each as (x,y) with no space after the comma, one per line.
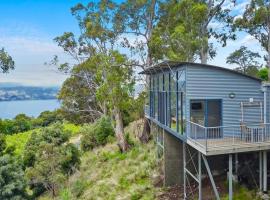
(229,139)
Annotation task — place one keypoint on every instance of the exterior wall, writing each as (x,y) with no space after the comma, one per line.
(204,82)
(268,105)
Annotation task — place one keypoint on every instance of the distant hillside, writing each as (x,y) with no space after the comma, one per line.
(12,92)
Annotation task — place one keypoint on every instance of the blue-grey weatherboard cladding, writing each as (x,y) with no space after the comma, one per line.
(206,82)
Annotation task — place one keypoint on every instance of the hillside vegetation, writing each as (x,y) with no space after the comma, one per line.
(19,140)
(106,173)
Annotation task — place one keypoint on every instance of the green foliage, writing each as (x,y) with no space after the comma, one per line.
(177,35)
(96,134)
(46,118)
(54,134)
(263,74)
(49,158)
(255,21)
(135,110)
(6,62)
(22,123)
(2,144)
(12,182)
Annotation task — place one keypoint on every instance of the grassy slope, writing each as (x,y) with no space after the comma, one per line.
(106,173)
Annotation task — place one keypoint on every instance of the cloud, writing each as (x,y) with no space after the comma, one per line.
(29,45)
(30,48)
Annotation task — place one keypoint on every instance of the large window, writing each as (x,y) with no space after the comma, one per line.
(181,83)
(168,99)
(173,102)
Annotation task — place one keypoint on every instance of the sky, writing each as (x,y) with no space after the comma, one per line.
(27,29)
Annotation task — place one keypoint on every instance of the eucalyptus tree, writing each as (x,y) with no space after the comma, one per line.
(106,72)
(136,20)
(186,27)
(246,60)
(256,21)
(177,34)
(216,14)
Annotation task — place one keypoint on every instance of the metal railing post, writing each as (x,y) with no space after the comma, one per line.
(205,134)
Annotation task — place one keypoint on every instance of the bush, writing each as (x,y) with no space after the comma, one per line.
(49,158)
(96,134)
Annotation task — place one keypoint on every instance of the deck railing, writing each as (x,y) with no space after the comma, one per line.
(224,136)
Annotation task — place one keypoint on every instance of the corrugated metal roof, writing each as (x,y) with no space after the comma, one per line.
(165,65)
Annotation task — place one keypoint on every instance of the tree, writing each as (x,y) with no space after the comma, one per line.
(47,168)
(79,102)
(49,158)
(12,182)
(177,34)
(105,70)
(215,14)
(137,19)
(6,62)
(246,60)
(256,21)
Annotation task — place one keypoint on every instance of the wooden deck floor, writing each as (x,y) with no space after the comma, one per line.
(227,145)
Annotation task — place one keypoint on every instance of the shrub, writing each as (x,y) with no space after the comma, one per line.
(49,158)
(88,140)
(96,134)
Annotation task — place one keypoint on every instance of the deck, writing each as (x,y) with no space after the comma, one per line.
(229,139)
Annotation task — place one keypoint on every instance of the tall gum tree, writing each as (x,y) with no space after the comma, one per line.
(216,13)
(137,19)
(109,71)
(176,35)
(256,21)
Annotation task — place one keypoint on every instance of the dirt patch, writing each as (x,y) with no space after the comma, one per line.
(172,193)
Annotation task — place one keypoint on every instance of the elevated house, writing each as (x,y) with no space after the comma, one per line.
(205,117)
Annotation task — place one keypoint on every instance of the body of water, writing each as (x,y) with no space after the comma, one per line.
(9,109)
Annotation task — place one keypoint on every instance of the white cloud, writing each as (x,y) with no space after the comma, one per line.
(29,45)
(30,48)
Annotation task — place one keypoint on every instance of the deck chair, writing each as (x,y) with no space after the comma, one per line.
(245,132)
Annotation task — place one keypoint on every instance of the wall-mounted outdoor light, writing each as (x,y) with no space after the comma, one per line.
(232,95)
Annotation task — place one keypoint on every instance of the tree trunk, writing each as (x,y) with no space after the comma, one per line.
(204,48)
(119,130)
(203,56)
(145,135)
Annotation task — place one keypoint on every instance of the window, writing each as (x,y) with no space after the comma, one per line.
(156,97)
(173,102)
(181,83)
